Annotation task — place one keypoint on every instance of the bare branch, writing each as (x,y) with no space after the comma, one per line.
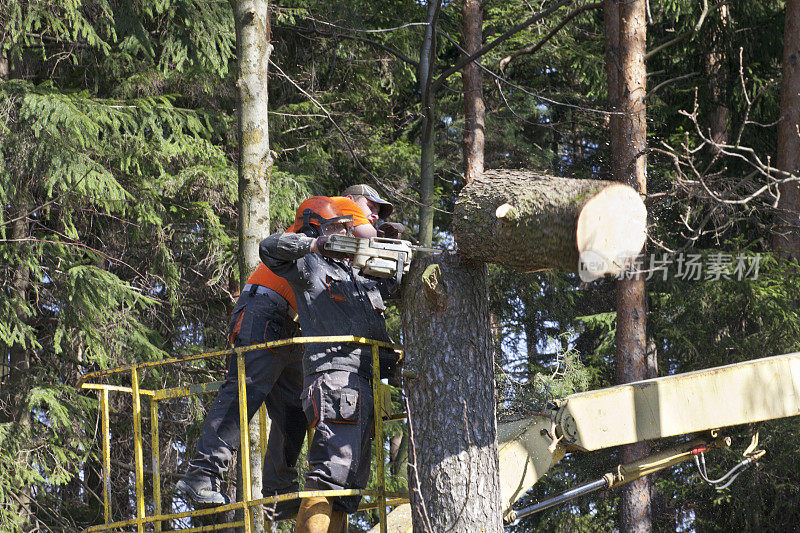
(393,191)
(652,91)
(413,466)
(49,202)
(359,30)
(78,245)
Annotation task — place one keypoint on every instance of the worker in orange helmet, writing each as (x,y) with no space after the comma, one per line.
(266,311)
(333,298)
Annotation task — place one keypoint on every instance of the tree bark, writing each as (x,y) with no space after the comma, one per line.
(398,455)
(427,63)
(529,221)
(611,21)
(5,68)
(472,77)
(453,465)
(628,143)
(4,363)
(18,379)
(716,65)
(787,234)
(253,49)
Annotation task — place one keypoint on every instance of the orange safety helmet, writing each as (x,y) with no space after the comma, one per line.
(317,213)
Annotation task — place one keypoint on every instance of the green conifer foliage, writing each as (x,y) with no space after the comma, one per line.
(128,195)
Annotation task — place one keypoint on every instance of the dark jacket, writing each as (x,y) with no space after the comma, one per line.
(332,299)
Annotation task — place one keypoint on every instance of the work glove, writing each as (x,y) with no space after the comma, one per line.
(318,246)
(391,230)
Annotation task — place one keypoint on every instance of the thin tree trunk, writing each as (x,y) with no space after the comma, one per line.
(5,68)
(472,77)
(93,497)
(454,474)
(16,376)
(628,142)
(716,65)
(5,367)
(18,379)
(253,50)
(427,60)
(398,455)
(611,21)
(787,234)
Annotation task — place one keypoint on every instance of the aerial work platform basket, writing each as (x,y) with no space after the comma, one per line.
(379,498)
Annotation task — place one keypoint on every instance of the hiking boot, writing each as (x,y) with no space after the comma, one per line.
(202,489)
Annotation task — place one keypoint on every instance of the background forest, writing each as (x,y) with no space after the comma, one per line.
(118,187)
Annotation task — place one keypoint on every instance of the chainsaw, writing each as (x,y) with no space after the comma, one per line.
(378,256)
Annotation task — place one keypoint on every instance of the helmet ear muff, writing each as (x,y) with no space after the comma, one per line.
(309,229)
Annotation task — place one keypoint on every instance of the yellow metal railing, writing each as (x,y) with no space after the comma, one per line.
(381,498)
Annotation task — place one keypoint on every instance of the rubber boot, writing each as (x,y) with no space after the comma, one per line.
(314,515)
(337,521)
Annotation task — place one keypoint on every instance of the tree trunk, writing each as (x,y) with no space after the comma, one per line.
(398,455)
(628,142)
(472,77)
(427,61)
(787,235)
(253,50)
(717,69)
(453,465)
(5,68)
(15,377)
(5,365)
(530,221)
(611,21)
(18,380)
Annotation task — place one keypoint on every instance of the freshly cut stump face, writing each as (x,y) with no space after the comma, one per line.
(611,231)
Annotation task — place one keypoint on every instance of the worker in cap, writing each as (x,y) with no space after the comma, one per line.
(333,299)
(376,208)
(265,311)
(362,194)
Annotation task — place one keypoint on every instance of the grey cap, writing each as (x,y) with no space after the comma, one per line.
(385,209)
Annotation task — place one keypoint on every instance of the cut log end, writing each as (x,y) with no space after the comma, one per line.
(529,221)
(611,231)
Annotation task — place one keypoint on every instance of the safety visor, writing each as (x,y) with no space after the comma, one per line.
(337,226)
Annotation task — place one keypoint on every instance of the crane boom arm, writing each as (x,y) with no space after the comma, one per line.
(741,393)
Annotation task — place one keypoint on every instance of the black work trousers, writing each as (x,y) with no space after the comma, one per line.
(339,405)
(274,377)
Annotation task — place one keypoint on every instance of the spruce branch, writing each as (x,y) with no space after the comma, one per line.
(491,46)
(535,47)
(688,34)
(385,48)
